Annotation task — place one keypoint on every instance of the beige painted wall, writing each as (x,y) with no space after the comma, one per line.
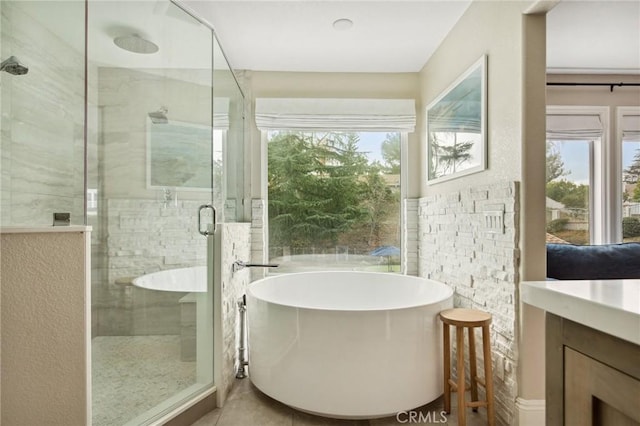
(515,46)
(45,368)
(327,85)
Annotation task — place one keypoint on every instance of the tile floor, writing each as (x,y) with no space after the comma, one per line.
(247,406)
(126,384)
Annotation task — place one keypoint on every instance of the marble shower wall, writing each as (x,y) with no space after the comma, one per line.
(42,128)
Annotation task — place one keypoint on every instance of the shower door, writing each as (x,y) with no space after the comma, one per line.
(153,169)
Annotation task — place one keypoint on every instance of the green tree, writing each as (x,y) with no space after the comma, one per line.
(636,193)
(391,153)
(380,202)
(568,193)
(555,165)
(316,191)
(632,173)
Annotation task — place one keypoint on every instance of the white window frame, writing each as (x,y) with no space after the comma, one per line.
(601,171)
(617,166)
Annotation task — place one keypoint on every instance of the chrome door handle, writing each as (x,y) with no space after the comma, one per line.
(206,232)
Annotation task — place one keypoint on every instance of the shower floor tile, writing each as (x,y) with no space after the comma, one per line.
(132,374)
(247,406)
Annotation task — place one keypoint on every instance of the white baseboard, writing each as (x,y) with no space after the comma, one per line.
(530,412)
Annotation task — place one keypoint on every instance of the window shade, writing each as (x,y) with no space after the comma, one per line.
(373,115)
(631,128)
(566,127)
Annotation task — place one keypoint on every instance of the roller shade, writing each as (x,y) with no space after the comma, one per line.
(373,115)
(567,127)
(631,128)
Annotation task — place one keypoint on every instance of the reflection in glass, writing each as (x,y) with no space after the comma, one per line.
(152,145)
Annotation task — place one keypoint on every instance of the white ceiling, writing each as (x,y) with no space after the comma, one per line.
(594,37)
(400,36)
(587,36)
(387,36)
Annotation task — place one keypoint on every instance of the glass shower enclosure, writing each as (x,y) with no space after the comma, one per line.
(165,130)
(126,115)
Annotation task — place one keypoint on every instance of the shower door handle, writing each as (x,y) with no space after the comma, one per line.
(206,232)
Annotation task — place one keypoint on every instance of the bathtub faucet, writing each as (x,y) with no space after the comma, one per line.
(239,264)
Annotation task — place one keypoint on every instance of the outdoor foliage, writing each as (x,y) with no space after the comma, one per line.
(568,193)
(391,153)
(636,193)
(557,225)
(555,165)
(632,173)
(630,227)
(321,189)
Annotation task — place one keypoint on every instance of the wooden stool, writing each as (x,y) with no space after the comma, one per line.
(461,319)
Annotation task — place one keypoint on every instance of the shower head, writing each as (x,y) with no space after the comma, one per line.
(136,44)
(159,116)
(13,66)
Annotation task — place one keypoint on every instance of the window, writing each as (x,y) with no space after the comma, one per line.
(575,186)
(569,171)
(593,181)
(629,135)
(334,200)
(334,181)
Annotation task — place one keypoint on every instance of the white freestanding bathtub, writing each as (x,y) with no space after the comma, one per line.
(347,344)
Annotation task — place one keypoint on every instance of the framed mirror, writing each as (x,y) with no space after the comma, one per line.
(456,127)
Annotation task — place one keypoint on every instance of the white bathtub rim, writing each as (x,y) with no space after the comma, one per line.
(448,293)
(146,281)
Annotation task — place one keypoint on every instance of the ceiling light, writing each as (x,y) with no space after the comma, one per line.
(342,24)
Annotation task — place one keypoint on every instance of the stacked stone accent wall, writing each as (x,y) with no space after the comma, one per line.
(144,236)
(469,240)
(236,245)
(410,236)
(258,237)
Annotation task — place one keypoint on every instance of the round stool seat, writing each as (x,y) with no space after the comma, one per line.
(461,317)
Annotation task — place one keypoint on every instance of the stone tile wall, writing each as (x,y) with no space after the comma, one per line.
(144,236)
(469,240)
(236,245)
(258,237)
(410,236)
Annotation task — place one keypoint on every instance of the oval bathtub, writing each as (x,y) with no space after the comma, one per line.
(347,344)
(192,279)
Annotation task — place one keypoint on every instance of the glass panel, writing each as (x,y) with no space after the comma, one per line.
(228,123)
(150,144)
(568,191)
(42,106)
(630,190)
(334,200)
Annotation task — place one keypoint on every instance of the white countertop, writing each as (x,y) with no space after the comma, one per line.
(611,306)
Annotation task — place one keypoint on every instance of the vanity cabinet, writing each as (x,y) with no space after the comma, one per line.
(592,378)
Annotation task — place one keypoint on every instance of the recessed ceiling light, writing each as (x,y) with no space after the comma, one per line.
(342,24)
